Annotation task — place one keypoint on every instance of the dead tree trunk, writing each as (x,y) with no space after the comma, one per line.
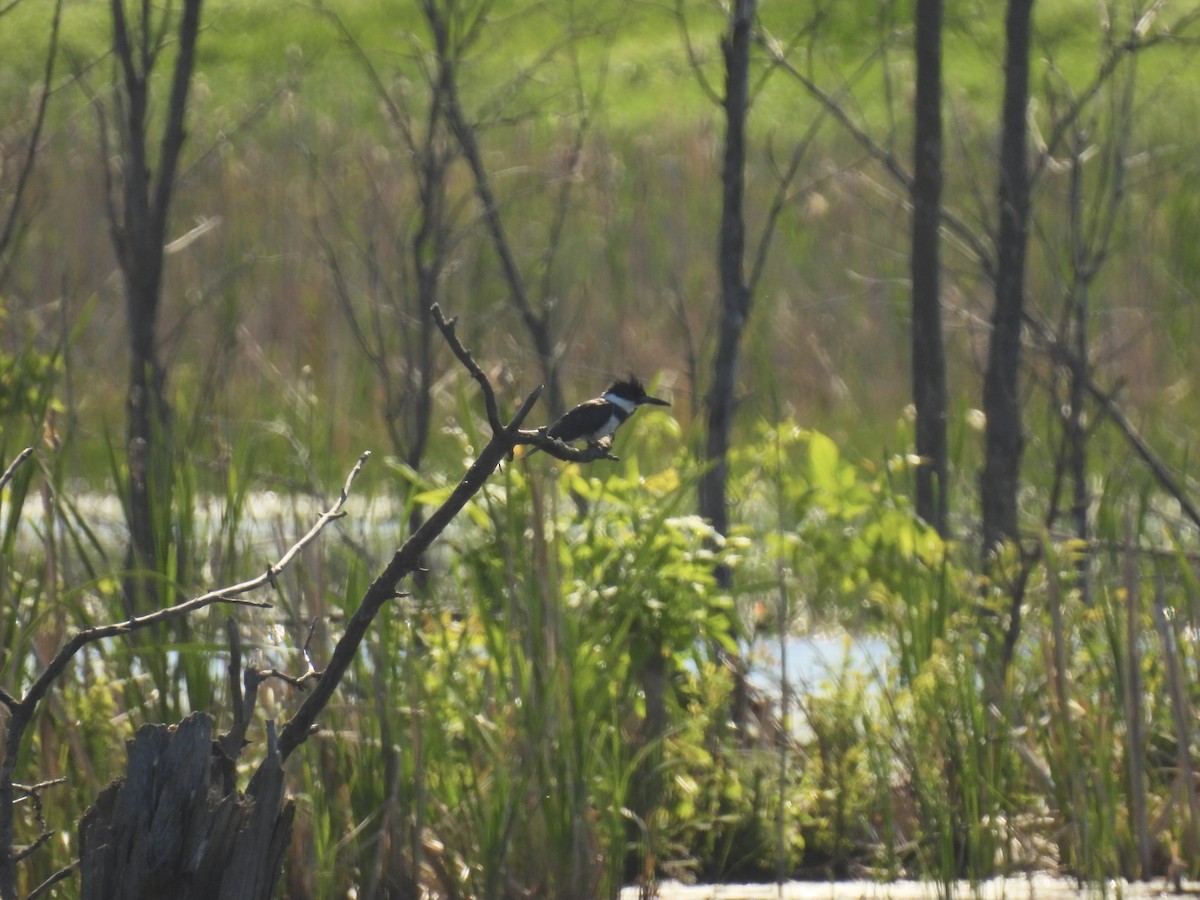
(928,351)
(176,827)
(1004,439)
(735,295)
(138,214)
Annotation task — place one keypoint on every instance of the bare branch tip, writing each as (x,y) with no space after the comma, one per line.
(14,465)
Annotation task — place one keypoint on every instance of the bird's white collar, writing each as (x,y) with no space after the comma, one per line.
(620,402)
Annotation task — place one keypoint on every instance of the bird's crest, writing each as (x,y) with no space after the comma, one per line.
(630,388)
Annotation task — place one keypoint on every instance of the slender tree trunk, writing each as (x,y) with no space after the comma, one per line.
(735,293)
(1001,397)
(138,221)
(147,432)
(928,352)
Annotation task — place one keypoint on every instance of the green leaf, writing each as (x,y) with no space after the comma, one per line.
(823,462)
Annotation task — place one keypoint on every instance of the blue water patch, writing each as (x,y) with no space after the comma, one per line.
(815,659)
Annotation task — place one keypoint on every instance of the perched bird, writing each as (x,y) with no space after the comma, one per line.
(597,419)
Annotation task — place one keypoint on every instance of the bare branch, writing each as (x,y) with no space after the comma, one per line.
(61,874)
(220,595)
(778,203)
(32,789)
(14,465)
(536,320)
(961,231)
(242,601)
(464,356)
(1061,353)
(300,682)
(1118,52)
(30,849)
(173,133)
(26,168)
(255,677)
(33,792)
(537,437)
(694,60)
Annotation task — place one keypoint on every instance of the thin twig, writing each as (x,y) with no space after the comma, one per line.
(300,682)
(1061,353)
(54,879)
(30,849)
(40,786)
(447,327)
(26,167)
(255,677)
(14,465)
(33,792)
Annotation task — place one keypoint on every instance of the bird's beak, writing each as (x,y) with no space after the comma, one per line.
(655,401)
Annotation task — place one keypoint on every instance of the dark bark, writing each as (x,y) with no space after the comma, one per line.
(176,828)
(928,351)
(1004,439)
(139,217)
(735,294)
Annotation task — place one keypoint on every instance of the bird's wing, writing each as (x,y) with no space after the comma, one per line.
(579,420)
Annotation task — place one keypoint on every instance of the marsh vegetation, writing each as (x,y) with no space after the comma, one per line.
(552,703)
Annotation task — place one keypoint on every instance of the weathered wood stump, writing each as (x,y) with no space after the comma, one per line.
(176,826)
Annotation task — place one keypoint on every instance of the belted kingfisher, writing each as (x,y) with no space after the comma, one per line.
(596,419)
